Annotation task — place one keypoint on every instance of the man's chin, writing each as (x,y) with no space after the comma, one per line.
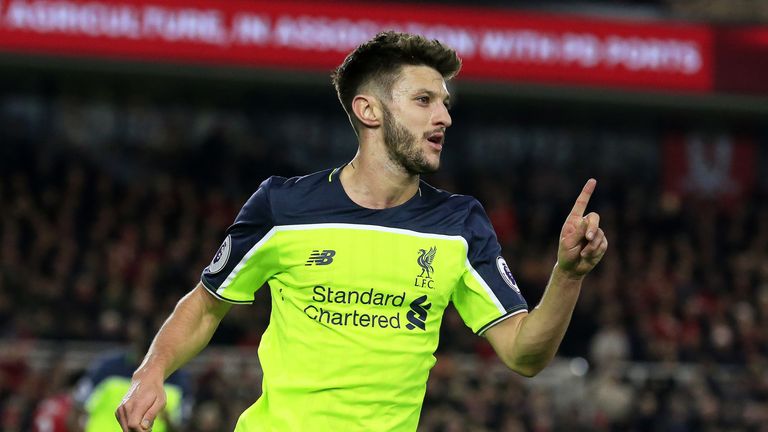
(427,168)
(432,168)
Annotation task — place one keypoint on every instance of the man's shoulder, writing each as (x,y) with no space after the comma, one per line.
(441,211)
(282,185)
(286,200)
(280,190)
(451,201)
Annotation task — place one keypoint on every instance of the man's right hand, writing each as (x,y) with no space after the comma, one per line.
(144,400)
(187,331)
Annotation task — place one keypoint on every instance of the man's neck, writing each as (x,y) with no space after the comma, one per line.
(377,182)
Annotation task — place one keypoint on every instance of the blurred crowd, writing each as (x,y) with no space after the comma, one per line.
(673,323)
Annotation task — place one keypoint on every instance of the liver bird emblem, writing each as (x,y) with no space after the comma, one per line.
(425,261)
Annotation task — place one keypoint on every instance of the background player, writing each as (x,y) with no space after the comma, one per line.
(109,377)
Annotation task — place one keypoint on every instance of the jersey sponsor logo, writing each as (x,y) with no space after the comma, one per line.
(327,302)
(425,259)
(366,308)
(417,316)
(221,257)
(506,274)
(318,257)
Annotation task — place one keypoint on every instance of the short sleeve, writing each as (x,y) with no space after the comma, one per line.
(247,258)
(487,292)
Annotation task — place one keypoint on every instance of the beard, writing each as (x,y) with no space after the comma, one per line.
(403,147)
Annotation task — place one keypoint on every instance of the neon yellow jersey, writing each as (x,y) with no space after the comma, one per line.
(357,298)
(106,382)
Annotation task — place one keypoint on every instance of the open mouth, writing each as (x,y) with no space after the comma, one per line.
(436,138)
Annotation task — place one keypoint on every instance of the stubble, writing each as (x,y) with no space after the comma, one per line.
(403,147)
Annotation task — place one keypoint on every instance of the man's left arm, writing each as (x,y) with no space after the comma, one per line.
(526,343)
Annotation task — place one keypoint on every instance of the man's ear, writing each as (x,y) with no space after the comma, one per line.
(367,110)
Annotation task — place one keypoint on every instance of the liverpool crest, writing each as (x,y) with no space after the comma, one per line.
(425,259)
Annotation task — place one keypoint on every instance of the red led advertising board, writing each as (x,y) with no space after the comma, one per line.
(315,36)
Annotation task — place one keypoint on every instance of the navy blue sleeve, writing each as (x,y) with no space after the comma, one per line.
(252,224)
(484,256)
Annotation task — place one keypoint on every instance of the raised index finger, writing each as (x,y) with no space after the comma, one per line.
(583,199)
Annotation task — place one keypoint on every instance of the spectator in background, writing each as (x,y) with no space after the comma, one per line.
(56,412)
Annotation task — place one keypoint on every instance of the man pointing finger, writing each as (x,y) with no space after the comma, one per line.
(341,362)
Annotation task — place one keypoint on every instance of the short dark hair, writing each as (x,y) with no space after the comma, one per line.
(381,59)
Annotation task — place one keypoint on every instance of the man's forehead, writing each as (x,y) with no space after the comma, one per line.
(418,78)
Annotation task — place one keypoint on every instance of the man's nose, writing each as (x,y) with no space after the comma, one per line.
(442,117)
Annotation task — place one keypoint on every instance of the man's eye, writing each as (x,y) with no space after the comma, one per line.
(423,99)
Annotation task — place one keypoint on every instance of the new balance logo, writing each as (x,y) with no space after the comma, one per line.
(323,257)
(417,316)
